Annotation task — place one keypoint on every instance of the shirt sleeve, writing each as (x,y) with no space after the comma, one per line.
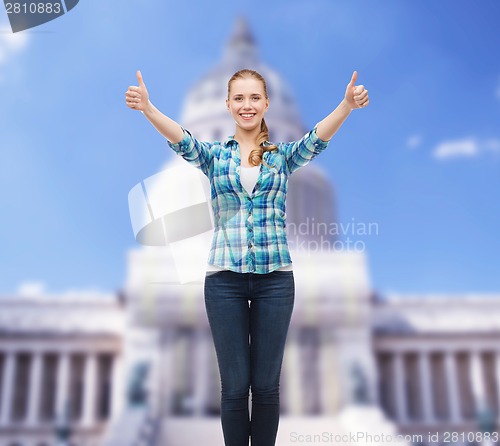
(195,152)
(299,153)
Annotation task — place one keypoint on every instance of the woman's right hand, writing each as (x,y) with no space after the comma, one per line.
(137,98)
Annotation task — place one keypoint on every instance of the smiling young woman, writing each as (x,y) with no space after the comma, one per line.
(249,286)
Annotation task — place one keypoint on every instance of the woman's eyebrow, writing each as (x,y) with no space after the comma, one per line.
(251,94)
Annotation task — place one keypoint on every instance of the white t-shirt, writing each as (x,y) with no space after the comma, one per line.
(248,178)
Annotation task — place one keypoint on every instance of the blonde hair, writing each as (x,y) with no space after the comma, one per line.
(256,155)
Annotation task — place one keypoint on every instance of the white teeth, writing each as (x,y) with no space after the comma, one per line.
(248,115)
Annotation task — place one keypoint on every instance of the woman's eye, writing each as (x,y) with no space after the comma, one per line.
(254,98)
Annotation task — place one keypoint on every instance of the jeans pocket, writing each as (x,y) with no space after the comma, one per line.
(283,273)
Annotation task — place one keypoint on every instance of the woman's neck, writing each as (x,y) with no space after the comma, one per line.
(246,138)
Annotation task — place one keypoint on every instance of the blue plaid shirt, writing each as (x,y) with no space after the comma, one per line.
(249,233)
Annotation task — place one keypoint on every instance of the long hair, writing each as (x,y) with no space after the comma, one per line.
(263,145)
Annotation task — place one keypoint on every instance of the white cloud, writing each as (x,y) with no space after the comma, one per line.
(414,141)
(38,290)
(457,148)
(31,289)
(465,148)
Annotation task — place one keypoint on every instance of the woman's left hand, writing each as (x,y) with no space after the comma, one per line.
(356,96)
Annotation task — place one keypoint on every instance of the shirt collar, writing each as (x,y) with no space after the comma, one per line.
(230,141)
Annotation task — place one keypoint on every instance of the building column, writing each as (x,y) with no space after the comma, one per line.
(399,389)
(201,368)
(8,387)
(292,370)
(35,386)
(328,373)
(117,386)
(62,388)
(453,391)
(497,377)
(167,358)
(477,381)
(89,392)
(426,387)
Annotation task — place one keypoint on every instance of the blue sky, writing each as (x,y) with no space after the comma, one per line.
(422,161)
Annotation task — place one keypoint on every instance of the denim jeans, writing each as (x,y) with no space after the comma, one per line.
(249,315)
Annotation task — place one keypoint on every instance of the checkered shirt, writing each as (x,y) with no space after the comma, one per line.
(249,230)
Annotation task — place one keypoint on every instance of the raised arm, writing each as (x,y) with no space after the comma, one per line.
(355,97)
(195,152)
(137,98)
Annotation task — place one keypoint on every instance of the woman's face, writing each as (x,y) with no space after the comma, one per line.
(247,103)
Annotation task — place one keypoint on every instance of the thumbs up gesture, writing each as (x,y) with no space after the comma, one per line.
(356,96)
(137,98)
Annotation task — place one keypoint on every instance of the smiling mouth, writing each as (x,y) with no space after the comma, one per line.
(247,116)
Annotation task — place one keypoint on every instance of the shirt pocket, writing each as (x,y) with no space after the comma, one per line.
(224,176)
(272,180)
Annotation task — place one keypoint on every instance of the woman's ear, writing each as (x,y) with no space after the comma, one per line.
(227,104)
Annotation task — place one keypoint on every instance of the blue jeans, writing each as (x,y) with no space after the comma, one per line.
(249,316)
